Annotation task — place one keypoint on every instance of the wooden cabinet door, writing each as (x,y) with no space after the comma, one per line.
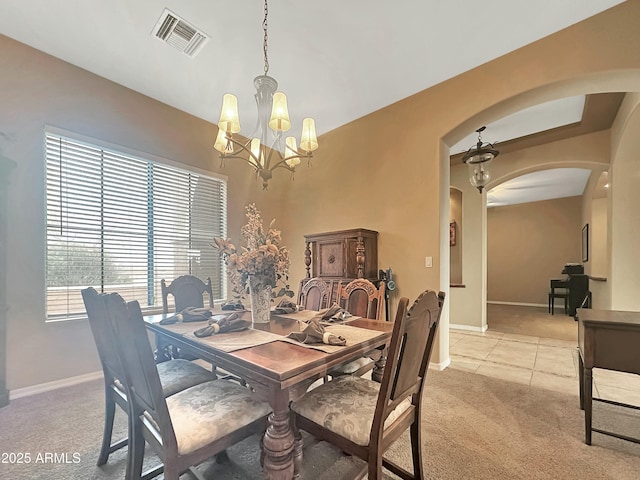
(330,259)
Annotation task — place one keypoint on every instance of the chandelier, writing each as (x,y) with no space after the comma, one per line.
(264,149)
(478,158)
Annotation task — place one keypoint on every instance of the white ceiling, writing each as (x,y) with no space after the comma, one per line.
(525,122)
(337,61)
(537,186)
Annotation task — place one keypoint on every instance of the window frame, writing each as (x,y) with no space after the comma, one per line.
(138,156)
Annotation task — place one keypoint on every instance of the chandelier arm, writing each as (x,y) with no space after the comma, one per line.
(243,147)
(282,163)
(237,157)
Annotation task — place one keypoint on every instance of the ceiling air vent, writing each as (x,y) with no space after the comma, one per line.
(179,34)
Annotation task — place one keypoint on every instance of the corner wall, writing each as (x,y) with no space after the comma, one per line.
(624,214)
(527,245)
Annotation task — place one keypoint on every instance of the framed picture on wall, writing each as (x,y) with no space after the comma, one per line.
(585,243)
(452,234)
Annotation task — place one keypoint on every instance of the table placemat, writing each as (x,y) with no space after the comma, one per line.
(302,315)
(353,335)
(306,315)
(226,342)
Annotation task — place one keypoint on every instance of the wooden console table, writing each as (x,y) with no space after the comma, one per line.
(607,339)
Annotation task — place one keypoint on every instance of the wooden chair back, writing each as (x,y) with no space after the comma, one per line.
(411,346)
(361,298)
(314,294)
(106,343)
(142,379)
(112,368)
(187,291)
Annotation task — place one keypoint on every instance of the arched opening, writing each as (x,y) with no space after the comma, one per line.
(592,152)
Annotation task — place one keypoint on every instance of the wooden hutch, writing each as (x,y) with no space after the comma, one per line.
(342,256)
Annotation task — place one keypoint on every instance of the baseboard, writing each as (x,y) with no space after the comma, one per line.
(519,304)
(47,387)
(470,328)
(440,366)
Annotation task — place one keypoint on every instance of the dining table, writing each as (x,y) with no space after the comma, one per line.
(278,369)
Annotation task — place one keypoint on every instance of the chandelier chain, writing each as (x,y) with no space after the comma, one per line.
(264,43)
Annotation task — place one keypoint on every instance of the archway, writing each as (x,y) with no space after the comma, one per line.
(591,151)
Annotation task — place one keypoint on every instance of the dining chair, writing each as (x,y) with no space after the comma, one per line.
(362,417)
(314,294)
(361,298)
(190,426)
(187,291)
(175,375)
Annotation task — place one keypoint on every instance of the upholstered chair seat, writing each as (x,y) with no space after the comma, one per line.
(175,375)
(207,412)
(179,374)
(346,406)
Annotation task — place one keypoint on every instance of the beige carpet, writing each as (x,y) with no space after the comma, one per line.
(533,321)
(475,427)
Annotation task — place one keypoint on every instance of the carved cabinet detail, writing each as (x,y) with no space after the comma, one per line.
(346,254)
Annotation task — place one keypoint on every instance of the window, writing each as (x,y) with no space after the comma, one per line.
(120,224)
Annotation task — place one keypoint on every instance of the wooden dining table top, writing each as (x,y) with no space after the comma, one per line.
(281,361)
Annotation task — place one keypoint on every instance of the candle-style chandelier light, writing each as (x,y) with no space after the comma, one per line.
(264,149)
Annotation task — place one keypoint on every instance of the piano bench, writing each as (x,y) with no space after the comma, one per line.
(558,293)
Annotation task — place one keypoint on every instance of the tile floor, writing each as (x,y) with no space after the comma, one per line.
(535,361)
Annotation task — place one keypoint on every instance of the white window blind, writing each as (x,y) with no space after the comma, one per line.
(121,224)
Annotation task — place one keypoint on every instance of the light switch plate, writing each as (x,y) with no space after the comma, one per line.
(428,262)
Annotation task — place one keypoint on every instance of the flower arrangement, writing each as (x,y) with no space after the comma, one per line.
(263,257)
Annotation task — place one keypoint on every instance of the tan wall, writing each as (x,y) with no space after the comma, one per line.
(598,264)
(39,90)
(623,279)
(527,245)
(598,238)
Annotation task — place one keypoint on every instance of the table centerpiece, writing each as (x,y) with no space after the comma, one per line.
(258,267)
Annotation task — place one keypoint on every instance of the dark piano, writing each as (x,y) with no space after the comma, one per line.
(578,285)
